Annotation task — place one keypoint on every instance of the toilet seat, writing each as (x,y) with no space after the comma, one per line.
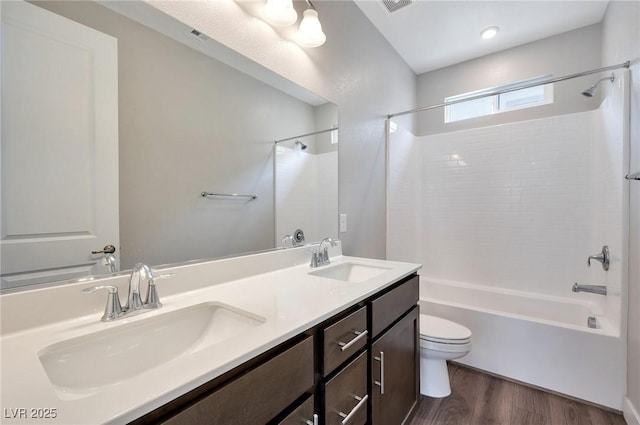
(441,331)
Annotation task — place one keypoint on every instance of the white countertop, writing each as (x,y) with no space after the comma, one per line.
(290,300)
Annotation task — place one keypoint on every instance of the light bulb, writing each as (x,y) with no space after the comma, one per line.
(310,32)
(280,12)
(489,32)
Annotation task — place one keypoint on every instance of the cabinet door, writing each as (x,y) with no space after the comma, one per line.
(394,371)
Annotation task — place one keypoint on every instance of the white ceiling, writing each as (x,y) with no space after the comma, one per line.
(434,34)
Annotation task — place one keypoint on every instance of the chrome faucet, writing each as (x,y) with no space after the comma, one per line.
(603,257)
(593,289)
(320,257)
(140,273)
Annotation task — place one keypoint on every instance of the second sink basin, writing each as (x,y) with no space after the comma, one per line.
(350,272)
(113,355)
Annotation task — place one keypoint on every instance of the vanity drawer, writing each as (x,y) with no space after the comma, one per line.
(343,339)
(257,396)
(346,394)
(390,306)
(302,415)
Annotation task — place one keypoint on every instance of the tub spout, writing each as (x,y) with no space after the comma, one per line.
(594,289)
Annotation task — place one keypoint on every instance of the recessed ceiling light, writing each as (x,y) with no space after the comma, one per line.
(489,32)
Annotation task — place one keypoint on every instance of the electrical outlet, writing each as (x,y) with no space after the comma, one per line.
(343,223)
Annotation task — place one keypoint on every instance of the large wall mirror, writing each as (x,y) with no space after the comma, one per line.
(112,131)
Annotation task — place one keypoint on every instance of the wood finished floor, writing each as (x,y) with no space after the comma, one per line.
(480,399)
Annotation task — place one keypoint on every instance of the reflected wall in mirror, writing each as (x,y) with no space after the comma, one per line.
(306,182)
(180,122)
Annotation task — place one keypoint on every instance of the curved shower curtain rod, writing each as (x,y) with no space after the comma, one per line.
(514,88)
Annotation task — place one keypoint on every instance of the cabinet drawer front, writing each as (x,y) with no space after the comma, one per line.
(301,415)
(346,394)
(344,338)
(257,396)
(386,309)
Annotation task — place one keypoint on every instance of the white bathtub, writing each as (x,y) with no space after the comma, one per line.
(541,340)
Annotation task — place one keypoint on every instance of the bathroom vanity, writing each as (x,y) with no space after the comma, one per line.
(259,339)
(323,372)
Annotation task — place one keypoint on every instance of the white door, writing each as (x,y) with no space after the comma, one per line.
(59,146)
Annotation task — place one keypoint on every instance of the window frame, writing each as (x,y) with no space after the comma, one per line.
(495,104)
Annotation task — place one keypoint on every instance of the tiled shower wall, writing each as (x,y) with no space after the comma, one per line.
(306,194)
(516,206)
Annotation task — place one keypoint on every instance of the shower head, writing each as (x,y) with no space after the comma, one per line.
(589,92)
(300,145)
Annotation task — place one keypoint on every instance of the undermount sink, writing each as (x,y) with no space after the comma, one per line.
(113,355)
(350,272)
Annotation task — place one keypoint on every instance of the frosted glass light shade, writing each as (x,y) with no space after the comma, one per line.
(280,12)
(310,33)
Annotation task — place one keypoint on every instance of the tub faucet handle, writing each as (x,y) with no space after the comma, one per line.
(602,257)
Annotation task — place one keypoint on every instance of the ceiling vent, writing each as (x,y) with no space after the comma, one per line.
(198,35)
(395,5)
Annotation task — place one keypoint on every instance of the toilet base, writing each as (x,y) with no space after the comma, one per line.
(434,378)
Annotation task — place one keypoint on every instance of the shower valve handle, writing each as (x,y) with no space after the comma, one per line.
(602,257)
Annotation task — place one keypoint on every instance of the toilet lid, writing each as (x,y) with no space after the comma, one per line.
(441,330)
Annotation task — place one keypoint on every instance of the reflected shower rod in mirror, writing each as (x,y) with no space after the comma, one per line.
(227,195)
(307,134)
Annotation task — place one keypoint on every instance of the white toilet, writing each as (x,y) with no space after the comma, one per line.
(440,340)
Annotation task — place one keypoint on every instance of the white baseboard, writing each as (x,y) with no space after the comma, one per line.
(630,413)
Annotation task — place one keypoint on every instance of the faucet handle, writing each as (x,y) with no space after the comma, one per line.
(604,257)
(316,257)
(113,309)
(153,300)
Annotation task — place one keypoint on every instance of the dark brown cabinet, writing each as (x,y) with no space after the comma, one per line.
(346,394)
(359,367)
(343,339)
(302,415)
(394,371)
(258,395)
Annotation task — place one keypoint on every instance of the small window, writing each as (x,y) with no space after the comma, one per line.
(518,99)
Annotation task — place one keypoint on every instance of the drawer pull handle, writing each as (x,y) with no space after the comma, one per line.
(315,420)
(380,383)
(346,345)
(361,402)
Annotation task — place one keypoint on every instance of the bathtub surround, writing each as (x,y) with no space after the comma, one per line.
(541,340)
(511,213)
(621,38)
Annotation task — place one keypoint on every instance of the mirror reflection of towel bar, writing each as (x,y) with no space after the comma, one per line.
(634,176)
(227,195)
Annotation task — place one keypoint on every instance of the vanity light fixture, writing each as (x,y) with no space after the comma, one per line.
(280,12)
(310,32)
(490,32)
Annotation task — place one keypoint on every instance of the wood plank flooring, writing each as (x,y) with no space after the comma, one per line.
(480,399)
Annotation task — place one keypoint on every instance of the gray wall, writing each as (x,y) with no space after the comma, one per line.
(563,54)
(621,42)
(189,123)
(356,68)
